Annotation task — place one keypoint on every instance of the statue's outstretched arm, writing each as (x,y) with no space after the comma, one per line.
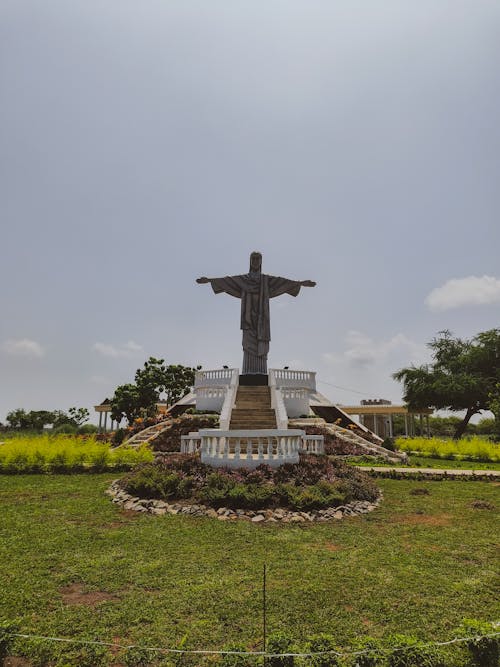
(203,280)
(308,283)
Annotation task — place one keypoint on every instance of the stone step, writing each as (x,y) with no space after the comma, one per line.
(252,427)
(253,410)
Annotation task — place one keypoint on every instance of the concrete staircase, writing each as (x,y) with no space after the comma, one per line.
(148,434)
(252,409)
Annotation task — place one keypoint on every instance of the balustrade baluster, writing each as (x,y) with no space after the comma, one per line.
(237,449)
(260,449)
(249,448)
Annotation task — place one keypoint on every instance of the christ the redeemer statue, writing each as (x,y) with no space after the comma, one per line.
(255,289)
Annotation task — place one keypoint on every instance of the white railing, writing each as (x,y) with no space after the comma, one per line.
(296,379)
(277,402)
(218,376)
(190,444)
(210,398)
(296,401)
(248,449)
(229,401)
(211,392)
(313,444)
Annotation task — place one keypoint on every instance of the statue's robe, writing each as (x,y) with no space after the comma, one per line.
(255,289)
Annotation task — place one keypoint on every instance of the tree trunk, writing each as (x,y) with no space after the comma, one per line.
(463,424)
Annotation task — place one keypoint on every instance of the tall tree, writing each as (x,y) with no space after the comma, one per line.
(151,382)
(126,403)
(462,376)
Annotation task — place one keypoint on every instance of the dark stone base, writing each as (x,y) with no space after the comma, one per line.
(253,380)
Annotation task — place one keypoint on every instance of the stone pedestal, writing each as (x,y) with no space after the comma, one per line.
(253,380)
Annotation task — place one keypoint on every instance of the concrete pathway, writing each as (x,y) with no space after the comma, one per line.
(454,472)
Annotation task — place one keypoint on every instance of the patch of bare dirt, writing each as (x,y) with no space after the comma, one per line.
(15,661)
(75,594)
(329,546)
(423,519)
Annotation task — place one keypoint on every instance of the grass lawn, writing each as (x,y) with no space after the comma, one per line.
(415,461)
(74,565)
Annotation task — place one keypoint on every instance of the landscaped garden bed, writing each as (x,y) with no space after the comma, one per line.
(66,454)
(169,440)
(469,449)
(315,483)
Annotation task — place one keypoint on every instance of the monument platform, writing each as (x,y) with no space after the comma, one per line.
(254,380)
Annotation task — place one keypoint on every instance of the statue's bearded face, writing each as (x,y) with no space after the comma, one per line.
(255,262)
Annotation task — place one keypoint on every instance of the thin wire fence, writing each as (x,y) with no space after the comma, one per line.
(263,654)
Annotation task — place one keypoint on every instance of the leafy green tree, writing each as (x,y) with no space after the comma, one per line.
(494,406)
(151,381)
(78,416)
(462,377)
(18,419)
(126,403)
(34,420)
(156,378)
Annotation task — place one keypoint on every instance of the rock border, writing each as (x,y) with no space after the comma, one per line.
(278,515)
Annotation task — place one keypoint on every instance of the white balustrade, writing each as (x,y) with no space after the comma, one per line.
(218,376)
(296,401)
(296,379)
(190,444)
(313,444)
(210,398)
(248,449)
(210,388)
(277,402)
(229,401)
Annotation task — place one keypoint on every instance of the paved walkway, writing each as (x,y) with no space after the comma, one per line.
(453,472)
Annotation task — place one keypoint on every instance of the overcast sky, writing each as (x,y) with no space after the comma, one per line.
(144,144)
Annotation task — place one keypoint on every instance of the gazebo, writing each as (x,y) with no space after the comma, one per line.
(377,415)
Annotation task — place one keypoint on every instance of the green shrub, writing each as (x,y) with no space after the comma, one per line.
(119,436)
(41,653)
(93,655)
(66,429)
(59,462)
(372,654)
(217,489)
(484,651)
(137,657)
(322,644)
(229,660)
(317,496)
(6,631)
(65,453)
(279,643)
(411,652)
(87,429)
(473,449)
(314,483)
(389,444)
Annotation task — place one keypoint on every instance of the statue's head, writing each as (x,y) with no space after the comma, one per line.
(255,262)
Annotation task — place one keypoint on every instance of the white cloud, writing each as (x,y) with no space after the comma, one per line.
(458,292)
(363,351)
(129,349)
(23,347)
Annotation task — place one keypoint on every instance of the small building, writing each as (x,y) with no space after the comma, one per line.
(377,415)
